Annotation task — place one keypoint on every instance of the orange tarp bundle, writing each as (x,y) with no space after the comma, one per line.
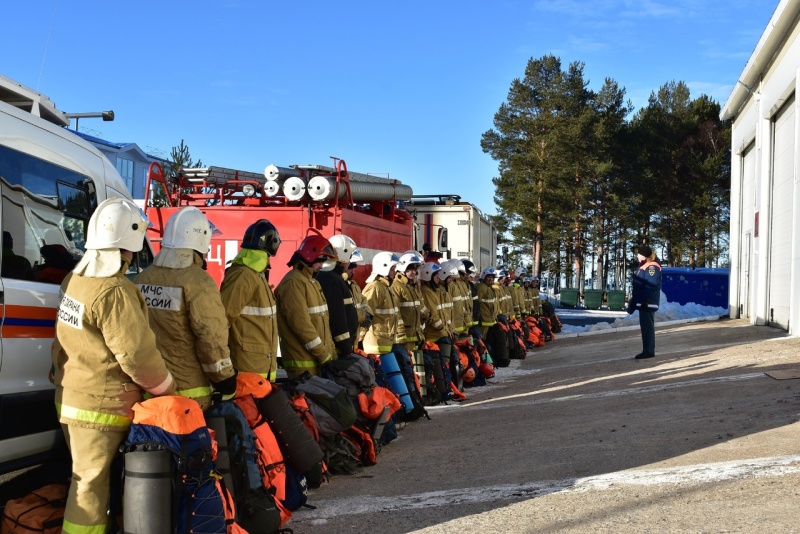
(173,413)
(372,404)
(252,384)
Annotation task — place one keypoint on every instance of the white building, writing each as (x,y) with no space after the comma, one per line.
(130,161)
(765,195)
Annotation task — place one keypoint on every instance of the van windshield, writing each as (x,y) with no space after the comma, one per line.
(45,210)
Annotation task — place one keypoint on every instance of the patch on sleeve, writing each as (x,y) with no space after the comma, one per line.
(651,271)
(70,312)
(162,297)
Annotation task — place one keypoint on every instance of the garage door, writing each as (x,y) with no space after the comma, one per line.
(780,224)
(746,224)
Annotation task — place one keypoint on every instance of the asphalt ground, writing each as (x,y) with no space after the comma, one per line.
(579,437)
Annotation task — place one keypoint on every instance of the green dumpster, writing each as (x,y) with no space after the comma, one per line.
(592,298)
(616,300)
(569,298)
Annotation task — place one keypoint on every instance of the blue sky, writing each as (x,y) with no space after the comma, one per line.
(404,89)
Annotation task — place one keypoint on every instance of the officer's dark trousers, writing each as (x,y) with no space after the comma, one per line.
(647,323)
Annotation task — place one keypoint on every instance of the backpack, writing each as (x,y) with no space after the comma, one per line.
(342,457)
(473,360)
(256,510)
(354,372)
(329,404)
(40,511)
(497,338)
(171,455)
(299,448)
(296,490)
(315,475)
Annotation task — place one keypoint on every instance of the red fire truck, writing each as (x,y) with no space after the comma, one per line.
(297,199)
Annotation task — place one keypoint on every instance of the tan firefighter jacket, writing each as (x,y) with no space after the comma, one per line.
(387,326)
(303,327)
(253,318)
(487,298)
(410,305)
(104,353)
(461,295)
(536,301)
(188,319)
(439,322)
(517,298)
(503,300)
(528,299)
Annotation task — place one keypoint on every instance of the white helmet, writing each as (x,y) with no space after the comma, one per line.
(383,262)
(450,268)
(117,223)
(357,258)
(428,270)
(343,247)
(488,271)
(407,259)
(188,228)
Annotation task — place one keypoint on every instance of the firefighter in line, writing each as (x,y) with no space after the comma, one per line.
(438,326)
(305,333)
(517,295)
(503,298)
(459,295)
(387,329)
(341,309)
(468,276)
(104,356)
(408,300)
(489,308)
(250,304)
(186,311)
(363,311)
(449,276)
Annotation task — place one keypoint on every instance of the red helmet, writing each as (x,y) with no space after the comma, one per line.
(469,375)
(487,369)
(314,247)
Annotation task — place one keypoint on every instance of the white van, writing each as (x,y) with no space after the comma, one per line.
(51,181)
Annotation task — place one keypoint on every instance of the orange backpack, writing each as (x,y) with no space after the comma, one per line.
(40,511)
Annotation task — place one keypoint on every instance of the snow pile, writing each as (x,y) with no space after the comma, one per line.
(667,311)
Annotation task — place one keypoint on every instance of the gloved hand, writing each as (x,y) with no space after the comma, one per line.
(226,388)
(344,347)
(630,308)
(367,322)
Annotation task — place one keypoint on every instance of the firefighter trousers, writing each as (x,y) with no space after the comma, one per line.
(93,452)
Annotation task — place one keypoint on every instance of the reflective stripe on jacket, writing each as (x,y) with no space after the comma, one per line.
(253,318)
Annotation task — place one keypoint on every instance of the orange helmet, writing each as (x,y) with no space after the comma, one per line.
(314,247)
(487,369)
(469,375)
